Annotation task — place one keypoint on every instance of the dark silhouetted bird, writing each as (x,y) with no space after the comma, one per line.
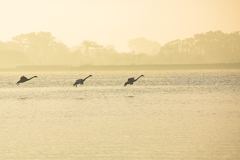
(131,80)
(80,81)
(24,79)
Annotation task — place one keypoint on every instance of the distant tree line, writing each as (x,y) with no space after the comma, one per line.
(209,47)
(43,49)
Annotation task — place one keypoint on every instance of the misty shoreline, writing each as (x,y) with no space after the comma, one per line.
(65,68)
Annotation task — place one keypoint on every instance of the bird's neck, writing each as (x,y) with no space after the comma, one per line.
(31,78)
(138,78)
(86,78)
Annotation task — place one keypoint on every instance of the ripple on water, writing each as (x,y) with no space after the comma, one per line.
(154,118)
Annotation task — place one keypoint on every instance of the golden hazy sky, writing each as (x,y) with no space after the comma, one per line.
(117,21)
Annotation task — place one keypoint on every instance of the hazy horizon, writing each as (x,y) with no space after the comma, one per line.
(117,22)
(41,48)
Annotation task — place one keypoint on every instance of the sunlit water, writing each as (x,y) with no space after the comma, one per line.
(158,117)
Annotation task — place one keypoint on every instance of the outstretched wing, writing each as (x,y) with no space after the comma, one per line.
(23,78)
(130,79)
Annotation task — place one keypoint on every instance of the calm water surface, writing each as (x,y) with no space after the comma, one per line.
(164,115)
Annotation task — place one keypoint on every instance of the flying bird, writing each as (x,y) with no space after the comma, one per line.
(24,79)
(80,81)
(131,80)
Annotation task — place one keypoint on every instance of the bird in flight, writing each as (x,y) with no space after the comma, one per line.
(131,80)
(80,81)
(24,79)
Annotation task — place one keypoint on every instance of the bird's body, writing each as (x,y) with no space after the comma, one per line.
(80,81)
(24,79)
(131,80)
